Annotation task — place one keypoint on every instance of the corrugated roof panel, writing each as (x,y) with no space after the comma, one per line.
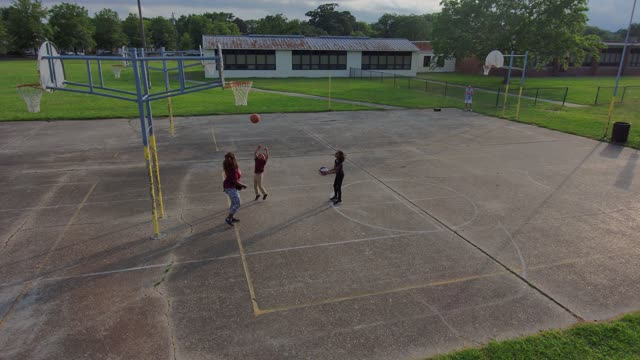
(265,42)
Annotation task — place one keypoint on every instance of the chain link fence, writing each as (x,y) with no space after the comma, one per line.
(488,99)
(628,94)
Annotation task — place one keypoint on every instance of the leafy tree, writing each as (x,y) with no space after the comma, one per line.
(131,28)
(186,43)
(71,26)
(333,22)
(242,26)
(251,26)
(635,33)
(25,24)
(163,33)
(219,17)
(412,27)
(363,29)
(108,33)
(551,30)
(275,24)
(4,38)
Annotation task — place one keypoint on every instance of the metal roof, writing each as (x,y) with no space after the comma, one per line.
(423,45)
(298,42)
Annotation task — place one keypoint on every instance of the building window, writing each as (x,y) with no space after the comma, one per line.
(426,62)
(610,57)
(249,59)
(319,60)
(382,60)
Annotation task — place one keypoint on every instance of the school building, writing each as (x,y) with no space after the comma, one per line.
(606,65)
(282,56)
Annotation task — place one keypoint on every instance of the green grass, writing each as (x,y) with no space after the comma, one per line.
(618,339)
(582,90)
(66,105)
(587,121)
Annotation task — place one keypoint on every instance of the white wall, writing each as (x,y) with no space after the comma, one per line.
(284,68)
(449,64)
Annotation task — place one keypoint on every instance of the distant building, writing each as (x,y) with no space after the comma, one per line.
(429,62)
(281,56)
(606,65)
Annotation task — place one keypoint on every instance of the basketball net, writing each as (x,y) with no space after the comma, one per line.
(31,94)
(240,91)
(486,69)
(117,69)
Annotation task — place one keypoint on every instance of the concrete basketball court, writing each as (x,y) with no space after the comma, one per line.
(455,228)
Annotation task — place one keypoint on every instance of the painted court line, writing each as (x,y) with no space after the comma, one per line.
(44,261)
(382,292)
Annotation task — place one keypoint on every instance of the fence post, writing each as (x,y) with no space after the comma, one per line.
(498,97)
(624,91)
(445,89)
(597,94)
(566,92)
(535,101)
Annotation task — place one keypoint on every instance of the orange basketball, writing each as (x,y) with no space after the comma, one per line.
(255,118)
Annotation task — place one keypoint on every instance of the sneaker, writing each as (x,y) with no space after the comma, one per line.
(235,220)
(337,202)
(264,197)
(257,197)
(333,198)
(229,221)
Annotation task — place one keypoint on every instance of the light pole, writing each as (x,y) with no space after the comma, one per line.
(144,42)
(620,66)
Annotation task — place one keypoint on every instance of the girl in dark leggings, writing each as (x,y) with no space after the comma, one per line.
(337,183)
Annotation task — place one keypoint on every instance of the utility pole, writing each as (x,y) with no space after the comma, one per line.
(144,41)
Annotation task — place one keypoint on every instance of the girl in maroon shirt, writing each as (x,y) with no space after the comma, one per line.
(258,171)
(232,185)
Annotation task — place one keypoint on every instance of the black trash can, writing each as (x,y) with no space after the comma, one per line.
(620,132)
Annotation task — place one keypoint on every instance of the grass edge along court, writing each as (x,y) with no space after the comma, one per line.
(586,120)
(616,339)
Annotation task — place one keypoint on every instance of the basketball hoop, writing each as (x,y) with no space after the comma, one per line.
(240,91)
(117,69)
(31,94)
(494,59)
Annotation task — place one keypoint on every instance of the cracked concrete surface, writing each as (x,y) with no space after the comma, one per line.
(455,228)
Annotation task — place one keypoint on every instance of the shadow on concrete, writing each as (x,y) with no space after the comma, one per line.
(611,151)
(625,177)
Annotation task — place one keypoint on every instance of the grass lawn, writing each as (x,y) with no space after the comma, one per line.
(618,339)
(587,121)
(582,90)
(66,105)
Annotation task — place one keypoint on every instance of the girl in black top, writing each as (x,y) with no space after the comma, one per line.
(337,183)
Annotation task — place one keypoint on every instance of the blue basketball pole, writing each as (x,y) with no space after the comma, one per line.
(142,96)
(152,140)
(137,68)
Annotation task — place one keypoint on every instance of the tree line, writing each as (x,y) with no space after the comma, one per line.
(551,30)
(26,23)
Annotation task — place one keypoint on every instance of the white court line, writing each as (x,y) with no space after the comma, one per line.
(513,242)
(145,267)
(165,197)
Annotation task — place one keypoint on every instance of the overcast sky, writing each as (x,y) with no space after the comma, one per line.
(607,14)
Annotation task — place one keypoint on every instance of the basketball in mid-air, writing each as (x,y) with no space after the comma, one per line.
(255,118)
